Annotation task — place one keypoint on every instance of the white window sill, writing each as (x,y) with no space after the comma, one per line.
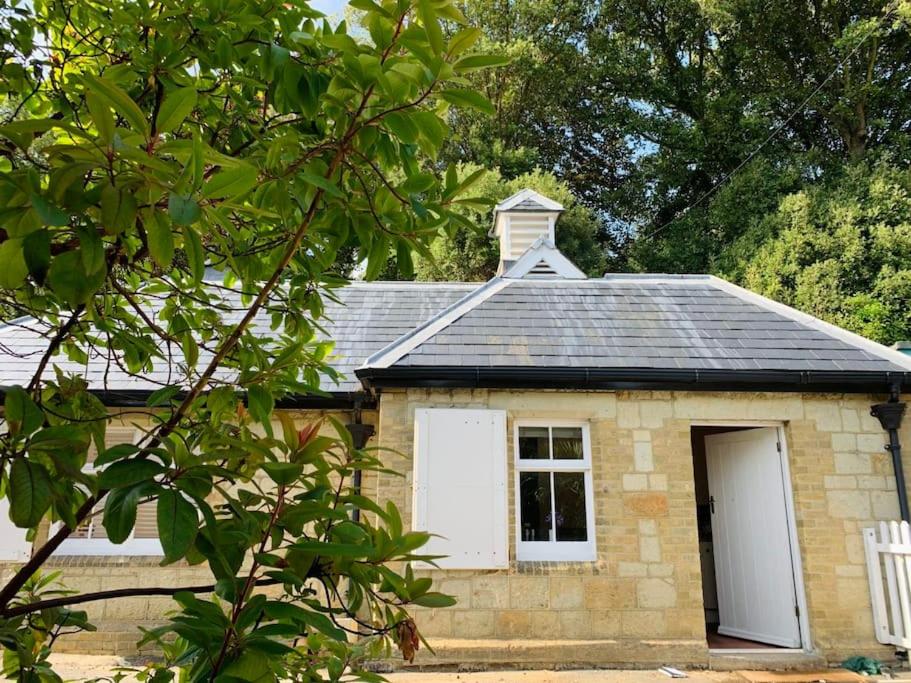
(556,551)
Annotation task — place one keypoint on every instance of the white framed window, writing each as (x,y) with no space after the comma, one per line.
(555,514)
(90,537)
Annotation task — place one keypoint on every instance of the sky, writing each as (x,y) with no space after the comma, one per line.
(329,6)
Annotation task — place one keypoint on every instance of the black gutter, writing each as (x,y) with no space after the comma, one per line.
(342,400)
(863,382)
(890,417)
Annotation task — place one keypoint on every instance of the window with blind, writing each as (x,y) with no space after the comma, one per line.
(555,512)
(90,538)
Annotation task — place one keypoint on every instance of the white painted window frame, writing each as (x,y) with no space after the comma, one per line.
(556,551)
(102,547)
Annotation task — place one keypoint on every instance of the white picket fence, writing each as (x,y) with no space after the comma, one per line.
(888,551)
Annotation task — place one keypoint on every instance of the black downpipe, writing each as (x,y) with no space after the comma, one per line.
(890,417)
(360,434)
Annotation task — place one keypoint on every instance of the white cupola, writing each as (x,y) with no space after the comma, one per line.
(521,220)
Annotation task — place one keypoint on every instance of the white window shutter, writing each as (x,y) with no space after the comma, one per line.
(460,486)
(13,545)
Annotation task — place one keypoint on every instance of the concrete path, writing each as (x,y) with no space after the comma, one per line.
(601,676)
(82,667)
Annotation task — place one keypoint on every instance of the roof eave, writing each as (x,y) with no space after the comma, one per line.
(809,381)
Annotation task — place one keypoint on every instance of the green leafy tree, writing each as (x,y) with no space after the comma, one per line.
(469,254)
(643,106)
(842,251)
(142,143)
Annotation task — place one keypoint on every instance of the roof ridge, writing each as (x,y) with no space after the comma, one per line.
(654,276)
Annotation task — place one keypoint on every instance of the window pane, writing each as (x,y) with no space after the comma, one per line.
(568,443)
(569,497)
(533,443)
(535,506)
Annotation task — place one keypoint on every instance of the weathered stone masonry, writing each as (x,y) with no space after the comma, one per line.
(642,598)
(640,603)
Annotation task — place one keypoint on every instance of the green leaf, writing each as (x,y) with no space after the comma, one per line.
(322,183)
(177,524)
(91,248)
(368,6)
(128,472)
(176,107)
(468,98)
(464,39)
(403,259)
(283,473)
(428,17)
(162,396)
(13,267)
(102,117)
(36,247)
(376,257)
(260,402)
(232,182)
(118,209)
(121,450)
(183,209)
(403,127)
(160,239)
(120,513)
(22,414)
(47,212)
(434,600)
(29,492)
(477,62)
(119,101)
(69,280)
(196,258)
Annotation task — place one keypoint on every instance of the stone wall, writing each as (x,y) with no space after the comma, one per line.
(640,602)
(642,598)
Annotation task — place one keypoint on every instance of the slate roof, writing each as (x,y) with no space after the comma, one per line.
(368,317)
(529,205)
(632,327)
(635,322)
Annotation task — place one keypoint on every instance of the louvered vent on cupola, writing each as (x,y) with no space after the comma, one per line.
(520,221)
(542,269)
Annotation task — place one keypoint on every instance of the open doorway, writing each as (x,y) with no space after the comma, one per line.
(749,572)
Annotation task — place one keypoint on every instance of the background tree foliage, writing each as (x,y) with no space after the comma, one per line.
(642,107)
(470,255)
(141,144)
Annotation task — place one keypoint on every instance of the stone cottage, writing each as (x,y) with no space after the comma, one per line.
(626,470)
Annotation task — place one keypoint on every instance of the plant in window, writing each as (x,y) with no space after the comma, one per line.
(177,180)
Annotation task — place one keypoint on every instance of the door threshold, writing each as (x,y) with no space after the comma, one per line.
(757,651)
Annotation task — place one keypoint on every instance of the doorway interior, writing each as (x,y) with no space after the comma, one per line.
(750,573)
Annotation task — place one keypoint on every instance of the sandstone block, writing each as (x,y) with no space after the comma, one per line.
(513,623)
(646,504)
(566,592)
(656,593)
(528,592)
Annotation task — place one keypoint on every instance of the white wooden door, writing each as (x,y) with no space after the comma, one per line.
(750,534)
(13,546)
